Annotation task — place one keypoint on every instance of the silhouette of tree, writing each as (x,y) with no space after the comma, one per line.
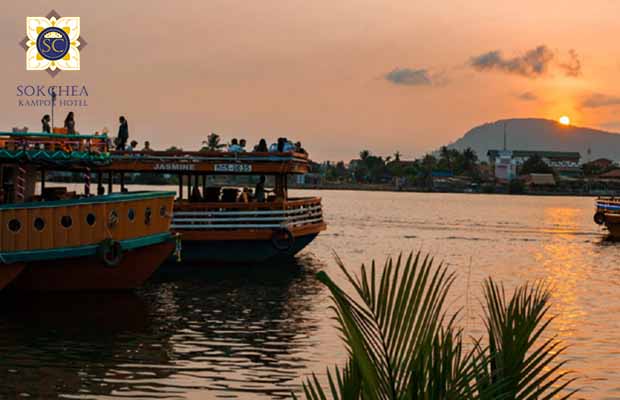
(212,143)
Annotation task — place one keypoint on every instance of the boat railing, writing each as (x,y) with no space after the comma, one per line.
(293,215)
(26,141)
(206,156)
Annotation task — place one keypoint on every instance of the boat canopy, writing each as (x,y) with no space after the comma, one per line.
(54,150)
(211,162)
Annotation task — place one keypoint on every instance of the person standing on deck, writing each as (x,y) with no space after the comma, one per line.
(45,122)
(70,124)
(259,191)
(123,134)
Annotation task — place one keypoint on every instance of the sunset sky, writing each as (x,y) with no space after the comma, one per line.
(339,76)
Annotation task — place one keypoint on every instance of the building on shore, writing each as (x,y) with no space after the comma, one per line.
(506,163)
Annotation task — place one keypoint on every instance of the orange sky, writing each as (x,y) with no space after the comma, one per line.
(316,70)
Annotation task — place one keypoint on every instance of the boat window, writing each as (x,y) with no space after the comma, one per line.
(15,225)
(66,221)
(91,219)
(39,224)
(131,214)
(147,216)
(162,211)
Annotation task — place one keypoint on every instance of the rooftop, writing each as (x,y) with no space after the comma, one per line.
(543,153)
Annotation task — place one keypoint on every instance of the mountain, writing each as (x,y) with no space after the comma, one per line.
(540,134)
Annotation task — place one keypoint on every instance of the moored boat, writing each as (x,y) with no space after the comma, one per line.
(608,213)
(53,239)
(224,222)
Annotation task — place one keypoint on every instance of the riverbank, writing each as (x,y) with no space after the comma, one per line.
(497,190)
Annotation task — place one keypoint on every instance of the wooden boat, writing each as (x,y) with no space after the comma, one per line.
(58,240)
(218,223)
(608,213)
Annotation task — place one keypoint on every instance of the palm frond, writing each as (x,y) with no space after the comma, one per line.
(520,360)
(402,345)
(396,324)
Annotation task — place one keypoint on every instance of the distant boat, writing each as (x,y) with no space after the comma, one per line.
(59,240)
(608,213)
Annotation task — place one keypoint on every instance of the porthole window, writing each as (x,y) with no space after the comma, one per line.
(15,225)
(39,224)
(162,211)
(66,221)
(147,216)
(91,219)
(131,214)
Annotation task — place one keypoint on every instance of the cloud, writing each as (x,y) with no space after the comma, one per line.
(527,96)
(573,66)
(409,77)
(532,64)
(597,100)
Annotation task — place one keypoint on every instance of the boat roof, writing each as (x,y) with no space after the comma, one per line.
(209,162)
(108,198)
(54,150)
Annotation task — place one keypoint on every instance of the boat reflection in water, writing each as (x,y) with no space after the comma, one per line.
(236,333)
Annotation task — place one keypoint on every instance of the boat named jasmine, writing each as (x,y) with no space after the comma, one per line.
(224,222)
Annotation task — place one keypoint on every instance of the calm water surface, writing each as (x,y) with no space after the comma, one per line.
(254,333)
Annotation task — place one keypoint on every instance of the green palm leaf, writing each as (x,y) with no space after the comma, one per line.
(520,360)
(402,345)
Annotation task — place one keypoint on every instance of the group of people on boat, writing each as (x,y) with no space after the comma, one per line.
(121,141)
(216,194)
(282,145)
(68,127)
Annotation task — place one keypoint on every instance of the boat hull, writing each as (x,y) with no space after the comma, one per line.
(240,251)
(8,273)
(90,272)
(613,226)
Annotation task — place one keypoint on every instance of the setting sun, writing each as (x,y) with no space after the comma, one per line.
(564,120)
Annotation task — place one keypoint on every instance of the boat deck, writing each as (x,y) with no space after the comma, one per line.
(201,162)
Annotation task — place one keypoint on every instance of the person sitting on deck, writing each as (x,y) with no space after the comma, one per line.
(261,147)
(288,146)
(299,149)
(245,195)
(273,148)
(234,147)
(259,191)
(70,124)
(242,143)
(132,146)
(45,122)
(147,147)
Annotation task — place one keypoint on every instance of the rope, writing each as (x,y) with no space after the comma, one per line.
(87,182)
(20,183)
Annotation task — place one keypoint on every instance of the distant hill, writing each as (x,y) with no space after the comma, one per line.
(540,134)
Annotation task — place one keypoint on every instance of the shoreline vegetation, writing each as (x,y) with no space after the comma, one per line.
(403,343)
(368,187)
(444,171)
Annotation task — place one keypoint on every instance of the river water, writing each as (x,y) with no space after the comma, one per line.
(250,332)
